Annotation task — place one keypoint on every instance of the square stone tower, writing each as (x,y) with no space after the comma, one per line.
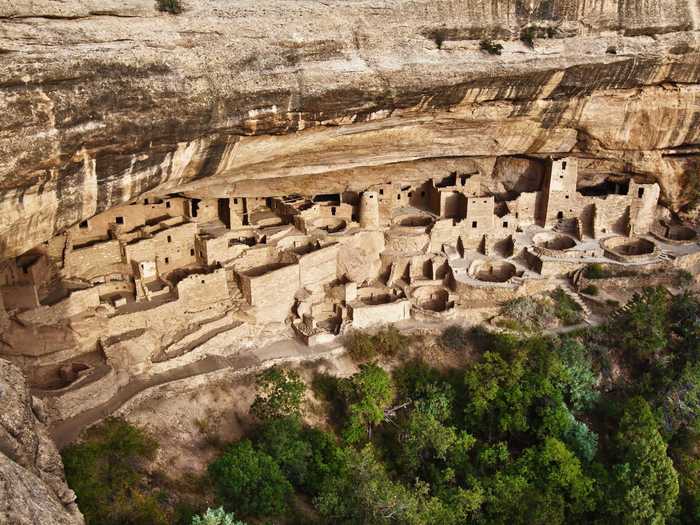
(560,197)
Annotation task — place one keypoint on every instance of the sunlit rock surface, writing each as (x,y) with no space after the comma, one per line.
(103,101)
(32,487)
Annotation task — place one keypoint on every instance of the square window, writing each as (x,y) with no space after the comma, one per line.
(473,224)
(505,224)
(83,225)
(119,220)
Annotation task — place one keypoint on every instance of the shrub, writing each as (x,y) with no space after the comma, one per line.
(454,337)
(105,471)
(591,289)
(280,393)
(596,271)
(174,7)
(685,278)
(439,37)
(363,346)
(490,47)
(527,36)
(216,517)
(567,310)
(251,481)
(527,314)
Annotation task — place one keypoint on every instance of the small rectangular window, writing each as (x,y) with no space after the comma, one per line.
(381,192)
(640,192)
(563,165)
(505,224)
(192,252)
(235,201)
(119,220)
(398,197)
(473,224)
(422,194)
(83,225)
(167,204)
(167,260)
(170,239)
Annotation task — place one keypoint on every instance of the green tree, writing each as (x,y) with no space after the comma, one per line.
(216,517)
(642,325)
(250,481)
(367,394)
(307,456)
(106,471)
(546,485)
(645,483)
(280,394)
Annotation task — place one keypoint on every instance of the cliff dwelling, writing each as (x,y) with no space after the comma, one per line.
(125,288)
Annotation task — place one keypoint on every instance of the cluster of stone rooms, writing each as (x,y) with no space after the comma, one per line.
(330,262)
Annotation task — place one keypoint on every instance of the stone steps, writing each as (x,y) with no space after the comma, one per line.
(577,299)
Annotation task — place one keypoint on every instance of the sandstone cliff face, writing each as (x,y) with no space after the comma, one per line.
(32,487)
(103,101)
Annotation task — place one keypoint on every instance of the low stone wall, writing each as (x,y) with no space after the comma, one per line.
(91,261)
(204,288)
(365,315)
(78,302)
(19,297)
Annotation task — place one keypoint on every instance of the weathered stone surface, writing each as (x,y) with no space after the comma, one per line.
(33,490)
(100,102)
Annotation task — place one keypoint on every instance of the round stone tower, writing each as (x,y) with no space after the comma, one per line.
(369,210)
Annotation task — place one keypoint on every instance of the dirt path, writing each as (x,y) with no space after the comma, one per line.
(66,431)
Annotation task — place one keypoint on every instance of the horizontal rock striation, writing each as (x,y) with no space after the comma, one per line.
(102,102)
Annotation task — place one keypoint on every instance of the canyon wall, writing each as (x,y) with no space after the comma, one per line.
(103,101)
(33,490)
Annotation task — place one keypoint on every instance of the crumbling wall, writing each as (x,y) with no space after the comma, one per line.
(200,288)
(20,297)
(76,303)
(364,315)
(92,261)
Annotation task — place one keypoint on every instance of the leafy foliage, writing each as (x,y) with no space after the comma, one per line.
(174,7)
(250,481)
(567,310)
(280,393)
(364,346)
(644,480)
(104,470)
(216,517)
(366,394)
(490,47)
(455,337)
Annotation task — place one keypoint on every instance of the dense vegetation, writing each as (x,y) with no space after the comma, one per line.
(600,426)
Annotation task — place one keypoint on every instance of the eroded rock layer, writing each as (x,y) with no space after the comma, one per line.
(33,490)
(103,103)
